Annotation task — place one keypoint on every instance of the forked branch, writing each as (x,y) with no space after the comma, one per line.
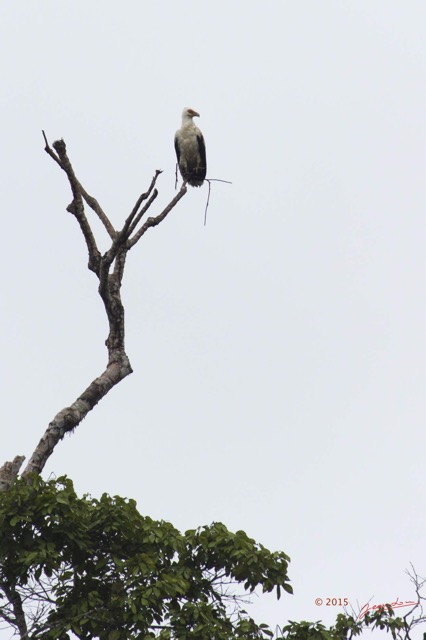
(109,268)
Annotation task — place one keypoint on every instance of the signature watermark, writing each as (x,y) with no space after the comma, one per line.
(396,604)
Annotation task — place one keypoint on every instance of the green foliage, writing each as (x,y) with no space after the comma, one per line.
(347,627)
(306,631)
(99,569)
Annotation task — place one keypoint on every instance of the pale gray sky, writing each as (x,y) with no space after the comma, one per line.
(279,353)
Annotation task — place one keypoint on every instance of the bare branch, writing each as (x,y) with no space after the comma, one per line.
(77,207)
(144,196)
(92,202)
(9,471)
(153,222)
(15,600)
(70,417)
(420,618)
(96,207)
(142,212)
(4,615)
(131,222)
(50,152)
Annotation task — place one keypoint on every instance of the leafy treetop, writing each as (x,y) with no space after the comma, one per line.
(98,568)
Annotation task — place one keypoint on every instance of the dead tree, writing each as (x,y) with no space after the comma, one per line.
(109,269)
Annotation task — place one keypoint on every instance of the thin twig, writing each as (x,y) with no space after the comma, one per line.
(49,151)
(142,212)
(210,180)
(143,196)
(133,221)
(153,222)
(207,203)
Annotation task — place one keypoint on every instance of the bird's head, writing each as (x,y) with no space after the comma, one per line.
(189,113)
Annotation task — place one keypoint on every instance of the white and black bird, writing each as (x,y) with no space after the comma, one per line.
(191,150)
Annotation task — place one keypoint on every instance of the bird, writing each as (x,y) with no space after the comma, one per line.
(191,150)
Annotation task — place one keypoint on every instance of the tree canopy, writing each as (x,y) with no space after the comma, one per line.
(99,568)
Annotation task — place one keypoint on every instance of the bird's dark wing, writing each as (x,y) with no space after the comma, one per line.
(177,149)
(202,149)
(202,169)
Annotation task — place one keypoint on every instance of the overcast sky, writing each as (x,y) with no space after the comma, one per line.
(279,352)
